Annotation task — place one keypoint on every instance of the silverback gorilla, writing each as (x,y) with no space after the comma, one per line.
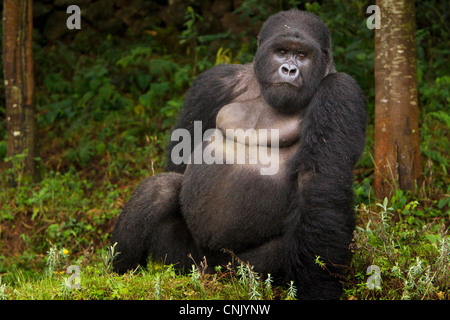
(279,223)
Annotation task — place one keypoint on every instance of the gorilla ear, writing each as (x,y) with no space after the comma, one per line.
(328,57)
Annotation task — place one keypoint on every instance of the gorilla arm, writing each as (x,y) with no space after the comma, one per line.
(211,90)
(321,217)
(333,130)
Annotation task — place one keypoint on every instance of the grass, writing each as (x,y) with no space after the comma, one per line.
(412,263)
(156,282)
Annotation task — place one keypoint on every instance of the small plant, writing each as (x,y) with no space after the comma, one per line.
(56,259)
(292,291)
(195,277)
(3,289)
(249,279)
(16,169)
(319,262)
(386,213)
(268,285)
(108,256)
(418,282)
(157,287)
(190,34)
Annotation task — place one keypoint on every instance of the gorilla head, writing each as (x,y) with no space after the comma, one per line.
(294,55)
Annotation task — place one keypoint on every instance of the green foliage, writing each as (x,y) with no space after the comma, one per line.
(155,282)
(107,256)
(413,255)
(190,32)
(435,128)
(56,259)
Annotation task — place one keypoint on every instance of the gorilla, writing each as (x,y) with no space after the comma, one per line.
(282,223)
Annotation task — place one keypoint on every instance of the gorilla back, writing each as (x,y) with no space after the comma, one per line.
(289,113)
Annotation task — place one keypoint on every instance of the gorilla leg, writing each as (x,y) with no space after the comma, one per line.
(267,258)
(151,224)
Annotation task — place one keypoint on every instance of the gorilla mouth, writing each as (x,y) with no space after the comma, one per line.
(282,84)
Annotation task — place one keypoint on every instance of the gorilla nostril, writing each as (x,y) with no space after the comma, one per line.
(288,72)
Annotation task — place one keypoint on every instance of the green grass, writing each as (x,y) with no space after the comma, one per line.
(413,261)
(156,282)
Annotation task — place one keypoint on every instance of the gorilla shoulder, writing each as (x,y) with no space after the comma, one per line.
(222,77)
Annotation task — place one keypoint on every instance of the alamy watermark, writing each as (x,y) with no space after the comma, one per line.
(74,20)
(374,21)
(374,281)
(74,281)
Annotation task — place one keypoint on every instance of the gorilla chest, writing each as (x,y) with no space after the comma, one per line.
(242,178)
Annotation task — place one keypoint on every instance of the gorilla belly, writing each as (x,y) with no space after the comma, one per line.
(236,197)
(234,206)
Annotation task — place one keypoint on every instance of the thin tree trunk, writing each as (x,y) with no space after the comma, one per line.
(19,82)
(397,157)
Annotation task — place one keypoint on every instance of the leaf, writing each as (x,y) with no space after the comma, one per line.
(143,81)
(361,56)
(146,99)
(442,116)
(433,238)
(139,110)
(106,91)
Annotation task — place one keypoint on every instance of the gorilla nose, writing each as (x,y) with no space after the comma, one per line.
(288,72)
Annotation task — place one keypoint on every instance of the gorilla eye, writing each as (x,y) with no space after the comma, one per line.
(301,55)
(283,51)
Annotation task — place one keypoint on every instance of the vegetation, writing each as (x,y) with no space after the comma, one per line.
(105,107)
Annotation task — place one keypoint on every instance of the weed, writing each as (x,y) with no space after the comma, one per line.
(56,259)
(3,290)
(107,257)
(292,291)
(413,264)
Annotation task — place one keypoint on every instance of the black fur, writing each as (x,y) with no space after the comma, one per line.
(280,226)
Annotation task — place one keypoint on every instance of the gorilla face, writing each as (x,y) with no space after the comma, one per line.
(292,60)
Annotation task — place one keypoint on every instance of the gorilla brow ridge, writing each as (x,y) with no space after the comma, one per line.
(289,43)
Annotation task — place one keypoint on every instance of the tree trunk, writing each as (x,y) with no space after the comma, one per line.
(19,85)
(397,157)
